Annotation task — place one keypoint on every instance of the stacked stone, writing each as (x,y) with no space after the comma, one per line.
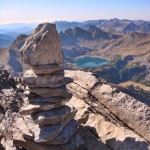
(45,116)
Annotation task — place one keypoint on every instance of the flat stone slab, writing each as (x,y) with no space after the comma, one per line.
(75,143)
(46,69)
(43,46)
(52,81)
(86,79)
(53,116)
(130,110)
(66,134)
(46,133)
(50,92)
(38,107)
(38,99)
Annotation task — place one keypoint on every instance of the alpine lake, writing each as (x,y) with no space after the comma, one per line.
(90,62)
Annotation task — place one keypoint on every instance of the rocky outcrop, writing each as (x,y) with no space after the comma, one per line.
(45,122)
(127,118)
(115,136)
(11,99)
(43,47)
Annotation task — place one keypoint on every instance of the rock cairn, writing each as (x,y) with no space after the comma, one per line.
(45,117)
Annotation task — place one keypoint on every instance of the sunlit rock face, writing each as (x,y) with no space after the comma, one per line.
(43,47)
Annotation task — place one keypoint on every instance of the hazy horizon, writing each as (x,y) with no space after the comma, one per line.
(36,11)
(70,21)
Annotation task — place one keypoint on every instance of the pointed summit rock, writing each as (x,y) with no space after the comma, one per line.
(43,47)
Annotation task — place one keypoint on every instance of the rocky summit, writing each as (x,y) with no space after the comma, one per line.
(44,117)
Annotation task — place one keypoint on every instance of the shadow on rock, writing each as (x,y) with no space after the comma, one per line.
(128,144)
(93,141)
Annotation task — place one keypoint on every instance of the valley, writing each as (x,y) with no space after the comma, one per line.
(128,54)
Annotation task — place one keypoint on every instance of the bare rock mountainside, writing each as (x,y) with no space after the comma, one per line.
(9,56)
(52,109)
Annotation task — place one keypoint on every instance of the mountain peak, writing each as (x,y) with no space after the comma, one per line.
(20,40)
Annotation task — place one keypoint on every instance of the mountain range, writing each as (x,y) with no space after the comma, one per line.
(123,42)
(79,36)
(114,26)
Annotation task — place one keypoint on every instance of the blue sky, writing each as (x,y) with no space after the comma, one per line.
(22,11)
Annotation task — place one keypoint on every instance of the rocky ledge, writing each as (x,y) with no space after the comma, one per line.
(101,128)
(111,112)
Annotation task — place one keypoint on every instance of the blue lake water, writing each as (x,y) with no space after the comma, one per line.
(90,62)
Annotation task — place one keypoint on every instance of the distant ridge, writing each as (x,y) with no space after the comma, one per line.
(115,26)
(82,37)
